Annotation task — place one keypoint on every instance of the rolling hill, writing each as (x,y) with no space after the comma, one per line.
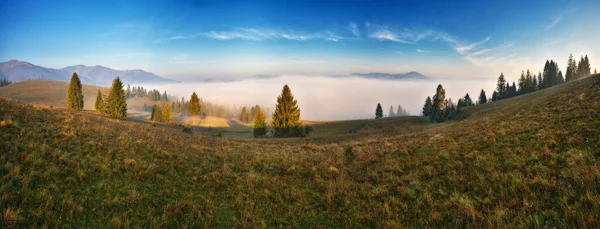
(529,161)
(15,71)
(53,93)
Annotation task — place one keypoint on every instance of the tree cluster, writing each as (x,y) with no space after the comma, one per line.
(439,109)
(115,103)
(400,112)
(141,92)
(4,82)
(163,114)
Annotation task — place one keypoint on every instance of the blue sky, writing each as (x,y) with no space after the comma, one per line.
(190,40)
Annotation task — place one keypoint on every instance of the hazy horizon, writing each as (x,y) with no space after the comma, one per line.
(328,98)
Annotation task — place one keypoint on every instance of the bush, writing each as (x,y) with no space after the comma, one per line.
(187,129)
(308,129)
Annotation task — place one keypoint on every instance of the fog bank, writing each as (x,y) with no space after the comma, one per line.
(328,98)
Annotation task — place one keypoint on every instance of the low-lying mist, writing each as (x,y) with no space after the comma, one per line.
(331,98)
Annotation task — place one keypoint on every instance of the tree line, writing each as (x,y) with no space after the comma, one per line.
(439,109)
(4,82)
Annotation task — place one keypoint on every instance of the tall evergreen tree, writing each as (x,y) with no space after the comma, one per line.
(439,104)
(501,86)
(482,97)
(244,116)
(428,107)
(99,104)
(595,72)
(75,94)
(391,113)
(378,111)
(166,114)
(158,112)
(571,69)
(116,103)
(194,105)
(587,70)
(286,117)
(153,113)
(259,129)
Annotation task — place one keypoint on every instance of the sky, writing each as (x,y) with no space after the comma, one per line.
(193,40)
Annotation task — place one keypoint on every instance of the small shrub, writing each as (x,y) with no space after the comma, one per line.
(187,129)
(308,129)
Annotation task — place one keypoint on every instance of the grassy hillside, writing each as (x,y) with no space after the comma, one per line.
(47,92)
(529,161)
(54,93)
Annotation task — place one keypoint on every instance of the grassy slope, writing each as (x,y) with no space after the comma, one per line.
(53,93)
(529,161)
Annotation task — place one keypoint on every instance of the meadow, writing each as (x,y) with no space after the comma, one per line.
(527,161)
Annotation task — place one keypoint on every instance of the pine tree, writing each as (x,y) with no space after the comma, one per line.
(158,112)
(439,104)
(482,97)
(244,116)
(428,107)
(153,113)
(166,114)
(391,114)
(587,70)
(259,129)
(378,111)
(595,72)
(286,117)
(75,94)
(501,86)
(116,103)
(99,104)
(194,105)
(223,113)
(571,69)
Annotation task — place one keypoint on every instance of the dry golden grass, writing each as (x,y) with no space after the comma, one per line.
(529,161)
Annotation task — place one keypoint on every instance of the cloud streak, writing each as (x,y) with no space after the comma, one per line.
(467,48)
(253,34)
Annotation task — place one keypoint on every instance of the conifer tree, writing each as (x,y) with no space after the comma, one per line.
(157,114)
(501,86)
(99,104)
(75,94)
(571,69)
(391,114)
(587,70)
(244,116)
(286,117)
(223,113)
(428,107)
(116,103)
(259,129)
(378,111)
(194,105)
(166,114)
(595,72)
(482,97)
(439,104)
(153,113)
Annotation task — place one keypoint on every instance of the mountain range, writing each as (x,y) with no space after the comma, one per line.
(15,70)
(391,76)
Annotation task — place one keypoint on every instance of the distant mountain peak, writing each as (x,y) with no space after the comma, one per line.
(391,76)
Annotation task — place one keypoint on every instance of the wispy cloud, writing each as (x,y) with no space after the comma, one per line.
(254,34)
(467,48)
(422,51)
(555,22)
(172,38)
(354,29)
(406,36)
